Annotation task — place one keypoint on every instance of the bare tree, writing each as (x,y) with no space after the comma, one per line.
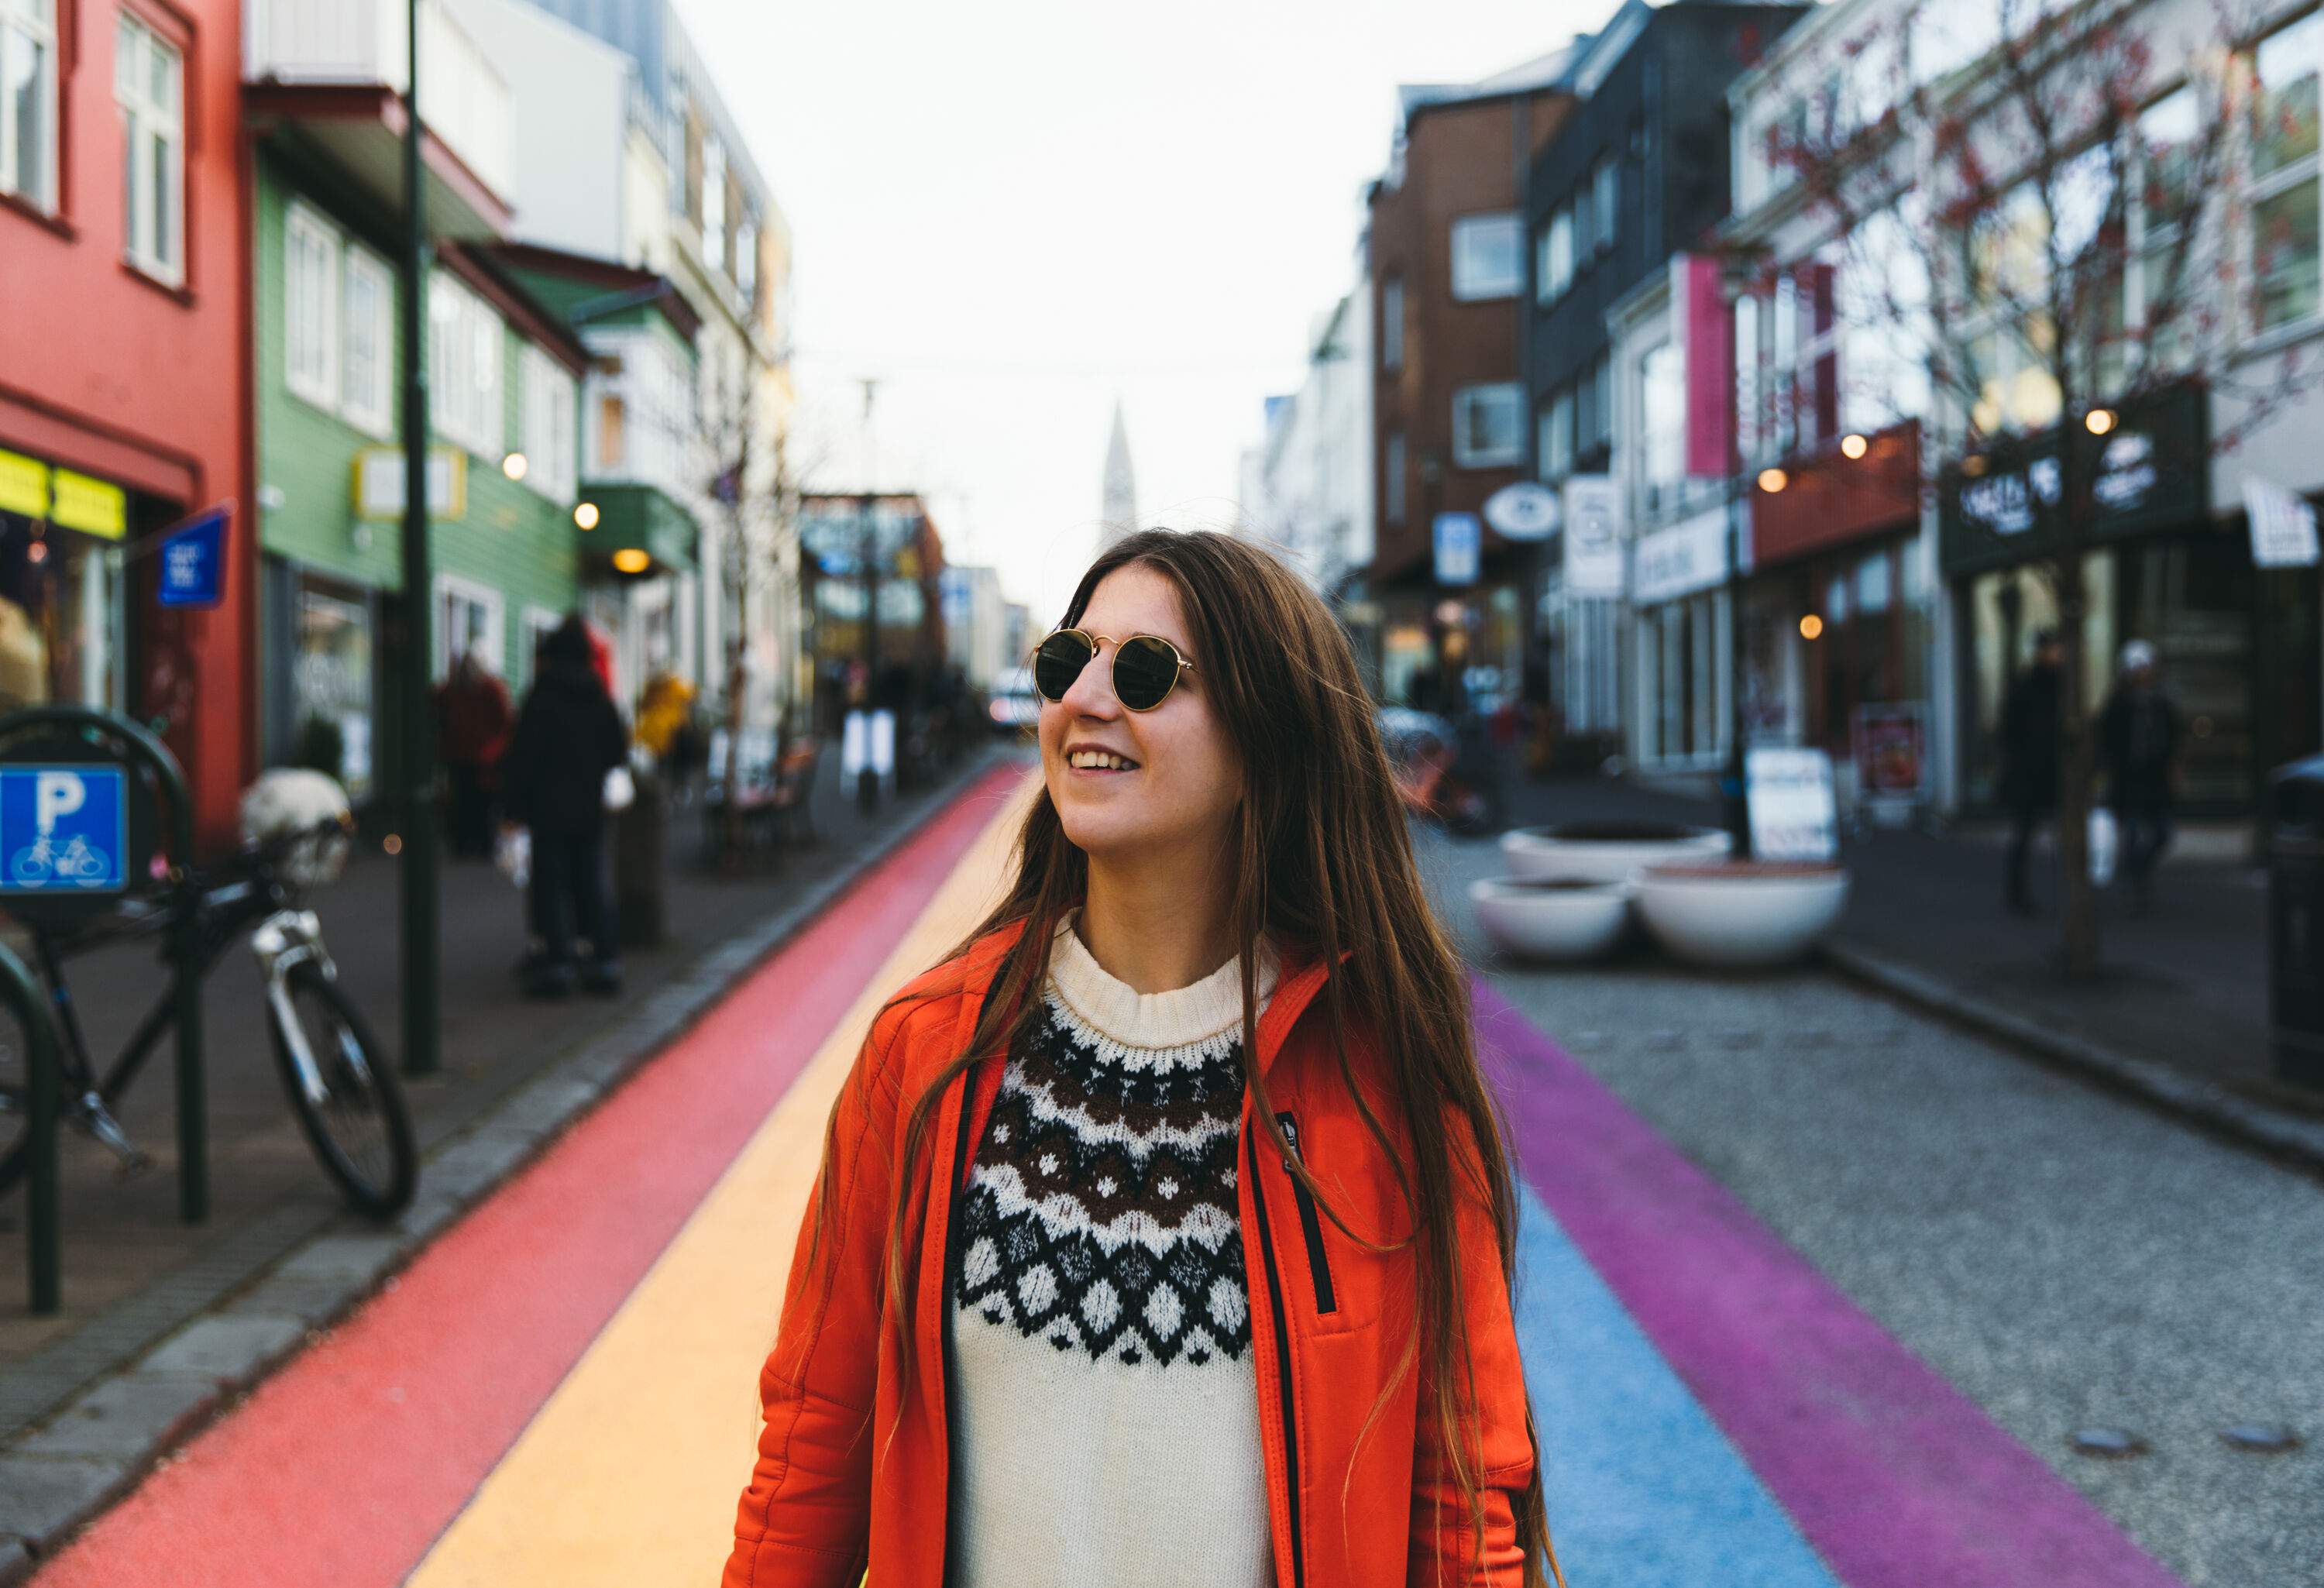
(2043,207)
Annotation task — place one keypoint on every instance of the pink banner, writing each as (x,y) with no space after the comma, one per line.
(1706,332)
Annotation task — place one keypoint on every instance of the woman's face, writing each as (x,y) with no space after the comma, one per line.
(1183,777)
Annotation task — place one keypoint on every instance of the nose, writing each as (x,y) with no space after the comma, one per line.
(1092,693)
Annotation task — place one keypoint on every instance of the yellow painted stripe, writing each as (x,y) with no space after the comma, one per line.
(629,1475)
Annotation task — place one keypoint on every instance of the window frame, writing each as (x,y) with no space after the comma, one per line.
(149,125)
(547,395)
(1394,486)
(375,411)
(1465,229)
(1606,189)
(467,386)
(1470,397)
(318,387)
(1556,424)
(1556,275)
(34,22)
(2306,169)
(1391,325)
(451,587)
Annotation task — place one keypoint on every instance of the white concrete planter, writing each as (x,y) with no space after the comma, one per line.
(1740,914)
(1605,852)
(1552,920)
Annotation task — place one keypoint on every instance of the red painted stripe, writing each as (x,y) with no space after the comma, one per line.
(345,1467)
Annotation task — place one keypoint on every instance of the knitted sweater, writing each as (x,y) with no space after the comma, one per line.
(1105,1413)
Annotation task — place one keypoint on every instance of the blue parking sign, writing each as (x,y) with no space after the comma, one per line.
(64,830)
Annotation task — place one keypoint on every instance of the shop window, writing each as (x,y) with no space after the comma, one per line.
(1392,325)
(28,101)
(148,86)
(464,367)
(1556,448)
(469,619)
(1487,257)
(331,686)
(2287,262)
(60,605)
(365,369)
(1392,485)
(1488,425)
(311,307)
(547,425)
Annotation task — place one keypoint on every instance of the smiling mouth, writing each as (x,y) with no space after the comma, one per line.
(1100,761)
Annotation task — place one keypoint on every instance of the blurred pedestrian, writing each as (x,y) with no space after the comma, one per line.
(2138,739)
(1216,836)
(472,719)
(568,736)
(2030,722)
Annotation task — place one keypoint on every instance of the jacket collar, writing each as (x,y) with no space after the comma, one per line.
(1300,981)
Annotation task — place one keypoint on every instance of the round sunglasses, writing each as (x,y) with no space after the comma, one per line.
(1146,667)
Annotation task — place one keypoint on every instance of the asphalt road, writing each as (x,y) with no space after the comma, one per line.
(2062,1258)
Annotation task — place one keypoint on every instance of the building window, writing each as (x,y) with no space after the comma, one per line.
(1556,261)
(1556,456)
(714,201)
(1392,324)
(2287,265)
(469,619)
(1487,257)
(546,424)
(1662,424)
(1392,486)
(746,259)
(1488,425)
(28,101)
(365,369)
(464,367)
(311,307)
(1606,187)
(148,86)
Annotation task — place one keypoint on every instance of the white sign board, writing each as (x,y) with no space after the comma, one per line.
(1460,547)
(1524,511)
(1594,536)
(2282,526)
(1794,813)
(1681,560)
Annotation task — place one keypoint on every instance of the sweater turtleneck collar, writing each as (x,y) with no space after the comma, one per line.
(1179,1017)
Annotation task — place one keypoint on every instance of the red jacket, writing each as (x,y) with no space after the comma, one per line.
(851,1465)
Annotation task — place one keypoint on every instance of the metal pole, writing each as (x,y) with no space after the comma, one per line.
(867,780)
(45,1212)
(421,1036)
(1734,785)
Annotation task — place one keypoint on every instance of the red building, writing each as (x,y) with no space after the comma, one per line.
(124,388)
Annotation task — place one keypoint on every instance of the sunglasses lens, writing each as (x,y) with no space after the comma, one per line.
(1060,661)
(1144,669)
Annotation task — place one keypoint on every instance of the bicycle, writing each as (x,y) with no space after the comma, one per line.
(340,1082)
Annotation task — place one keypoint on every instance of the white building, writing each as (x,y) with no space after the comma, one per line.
(976,624)
(1308,489)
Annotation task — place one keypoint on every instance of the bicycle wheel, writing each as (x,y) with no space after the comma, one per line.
(361,1130)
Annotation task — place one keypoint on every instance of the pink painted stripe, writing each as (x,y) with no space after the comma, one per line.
(1897,1477)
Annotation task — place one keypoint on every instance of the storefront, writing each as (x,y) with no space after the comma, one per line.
(1682,645)
(2158,568)
(1837,616)
(63,609)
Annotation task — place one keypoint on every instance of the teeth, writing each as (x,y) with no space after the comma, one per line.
(1099,760)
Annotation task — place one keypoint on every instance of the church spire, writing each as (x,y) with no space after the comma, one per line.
(1120,515)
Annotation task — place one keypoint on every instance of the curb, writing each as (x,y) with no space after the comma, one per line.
(2295,1142)
(71,1459)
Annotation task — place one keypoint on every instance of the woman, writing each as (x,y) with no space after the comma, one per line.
(1164,1232)
(568,736)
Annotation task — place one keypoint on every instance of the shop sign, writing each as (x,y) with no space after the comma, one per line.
(23,485)
(193,560)
(90,506)
(2282,526)
(1681,560)
(1891,749)
(1459,544)
(1794,813)
(379,483)
(1593,536)
(1524,511)
(2153,472)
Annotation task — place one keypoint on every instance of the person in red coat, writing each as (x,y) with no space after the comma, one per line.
(472,719)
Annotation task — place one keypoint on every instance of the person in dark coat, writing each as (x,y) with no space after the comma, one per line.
(568,735)
(2030,721)
(2138,739)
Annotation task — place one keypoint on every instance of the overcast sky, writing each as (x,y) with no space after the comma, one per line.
(1010,215)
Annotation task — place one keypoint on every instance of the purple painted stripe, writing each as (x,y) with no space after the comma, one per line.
(1899,1479)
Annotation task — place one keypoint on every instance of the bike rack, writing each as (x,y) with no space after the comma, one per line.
(132,743)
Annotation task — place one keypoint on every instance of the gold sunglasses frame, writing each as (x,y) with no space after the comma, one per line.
(1097,642)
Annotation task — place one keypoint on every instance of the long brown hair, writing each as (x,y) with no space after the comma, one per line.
(1324,867)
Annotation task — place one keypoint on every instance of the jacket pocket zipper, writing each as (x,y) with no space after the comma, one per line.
(1283,1369)
(1311,1225)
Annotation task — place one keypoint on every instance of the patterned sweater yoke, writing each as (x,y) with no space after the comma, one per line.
(1105,1420)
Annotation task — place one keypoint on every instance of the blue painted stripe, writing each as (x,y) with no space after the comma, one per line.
(1644,1490)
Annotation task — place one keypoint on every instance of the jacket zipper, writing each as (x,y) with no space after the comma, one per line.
(1311,1224)
(1282,1364)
